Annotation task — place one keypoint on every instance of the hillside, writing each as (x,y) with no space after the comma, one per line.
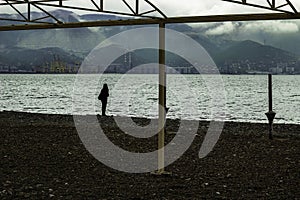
(250,55)
(31,59)
(253,51)
(25,49)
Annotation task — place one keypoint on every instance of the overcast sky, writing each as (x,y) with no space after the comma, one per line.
(205,7)
(208,7)
(178,7)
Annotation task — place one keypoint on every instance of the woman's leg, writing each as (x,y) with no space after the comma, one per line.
(104,103)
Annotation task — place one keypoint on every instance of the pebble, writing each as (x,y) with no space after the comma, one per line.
(27,195)
(7,183)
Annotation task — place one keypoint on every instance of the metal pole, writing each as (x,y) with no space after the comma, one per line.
(273,4)
(137,7)
(101,5)
(271,114)
(131,22)
(270,92)
(161,99)
(28,12)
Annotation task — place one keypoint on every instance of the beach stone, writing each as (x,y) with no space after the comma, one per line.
(221,171)
(7,183)
(26,195)
(21,193)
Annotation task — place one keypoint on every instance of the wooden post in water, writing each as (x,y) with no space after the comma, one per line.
(161,99)
(271,114)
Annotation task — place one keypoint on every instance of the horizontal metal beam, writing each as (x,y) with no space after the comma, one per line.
(194,19)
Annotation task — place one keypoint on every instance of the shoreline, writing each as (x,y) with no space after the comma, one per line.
(75,73)
(42,156)
(150,118)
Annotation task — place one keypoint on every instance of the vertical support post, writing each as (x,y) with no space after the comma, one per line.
(136,7)
(270,92)
(101,5)
(28,12)
(273,4)
(161,99)
(271,114)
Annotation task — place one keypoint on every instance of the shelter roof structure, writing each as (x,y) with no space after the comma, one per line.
(281,9)
(132,9)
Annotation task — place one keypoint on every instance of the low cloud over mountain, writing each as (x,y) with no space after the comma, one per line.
(280,34)
(245,45)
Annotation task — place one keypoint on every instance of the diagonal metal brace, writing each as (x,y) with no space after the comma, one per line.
(272,5)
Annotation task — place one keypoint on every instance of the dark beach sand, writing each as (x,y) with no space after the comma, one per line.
(42,157)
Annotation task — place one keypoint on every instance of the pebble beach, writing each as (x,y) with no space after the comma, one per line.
(42,157)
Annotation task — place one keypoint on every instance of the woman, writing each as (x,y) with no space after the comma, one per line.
(103,97)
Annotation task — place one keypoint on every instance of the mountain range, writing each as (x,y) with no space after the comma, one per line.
(31,49)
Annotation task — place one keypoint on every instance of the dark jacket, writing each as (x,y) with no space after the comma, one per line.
(104,93)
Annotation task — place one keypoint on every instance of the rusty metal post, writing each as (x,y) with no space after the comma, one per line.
(161,99)
(271,114)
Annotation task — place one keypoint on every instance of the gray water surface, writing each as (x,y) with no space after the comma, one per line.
(137,95)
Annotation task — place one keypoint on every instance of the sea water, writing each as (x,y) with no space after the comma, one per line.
(188,96)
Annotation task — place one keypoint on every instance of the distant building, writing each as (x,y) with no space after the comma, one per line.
(290,70)
(276,70)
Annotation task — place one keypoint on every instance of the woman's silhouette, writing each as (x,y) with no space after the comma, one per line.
(103,97)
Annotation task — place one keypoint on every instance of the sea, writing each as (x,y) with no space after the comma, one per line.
(192,97)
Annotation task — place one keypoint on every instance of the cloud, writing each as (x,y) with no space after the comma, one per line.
(250,28)
(201,7)
(214,7)
(223,29)
(275,27)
